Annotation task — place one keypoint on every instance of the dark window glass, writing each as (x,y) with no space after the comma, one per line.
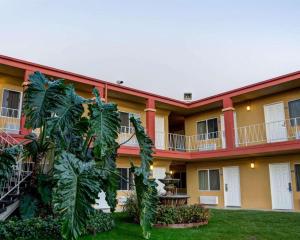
(214,179)
(182,177)
(294,112)
(201,130)
(297,174)
(124,119)
(212,128)
(10,103)
(209,179)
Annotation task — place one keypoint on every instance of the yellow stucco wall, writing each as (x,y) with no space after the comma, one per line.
(256,114)
(254,183)
(10,83)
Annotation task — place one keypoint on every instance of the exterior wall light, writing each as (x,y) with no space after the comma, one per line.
(248,108)
(171,172)
(151,167)
(252,165)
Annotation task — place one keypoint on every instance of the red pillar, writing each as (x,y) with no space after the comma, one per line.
(23,130)
(101,89)
(228,111)
(150,118)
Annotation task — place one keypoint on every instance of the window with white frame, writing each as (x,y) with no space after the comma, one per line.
(126,126)
(294,112)
(11,102)
(125,179)
(209,179)
(207,129)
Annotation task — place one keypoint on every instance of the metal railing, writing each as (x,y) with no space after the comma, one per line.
(268,132)
(200,142)
(10,120)
(21,170)
(126,134)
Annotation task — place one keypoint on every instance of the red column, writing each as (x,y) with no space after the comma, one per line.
(229,122)
(23,130)
(101,89)
(150,118)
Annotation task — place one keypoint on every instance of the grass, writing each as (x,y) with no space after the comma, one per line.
(224,224)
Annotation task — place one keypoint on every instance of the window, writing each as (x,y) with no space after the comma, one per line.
(125,121)
(207,129)
(297,174)
(182,177)
(11,103)
(209,180)
(126,179)
(294,112)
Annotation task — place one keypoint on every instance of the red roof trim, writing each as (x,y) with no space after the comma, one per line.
(26,65)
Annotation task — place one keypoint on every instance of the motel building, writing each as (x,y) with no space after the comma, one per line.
(238,149)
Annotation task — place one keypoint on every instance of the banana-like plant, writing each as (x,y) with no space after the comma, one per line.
(80,153)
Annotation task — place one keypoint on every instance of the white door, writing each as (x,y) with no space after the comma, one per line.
(275,122)
(281,189)
(159,132)
(223,131)
(159,173)
(232,193)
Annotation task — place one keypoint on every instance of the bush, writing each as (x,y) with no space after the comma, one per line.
(30,229)
(100,222)
(131,208)
(181,214)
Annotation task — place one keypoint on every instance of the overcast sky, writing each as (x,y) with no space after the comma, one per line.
(164,46)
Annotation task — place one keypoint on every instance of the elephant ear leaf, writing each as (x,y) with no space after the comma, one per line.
(105,124)
(41,98)
(28,206)
(8,158)
(77,188)
(146,191)
(146,149)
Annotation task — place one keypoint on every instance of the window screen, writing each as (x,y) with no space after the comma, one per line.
(209,179)
(294,112)
(10,103)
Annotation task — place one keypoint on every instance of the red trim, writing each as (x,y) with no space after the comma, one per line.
(150,118)
(127,90)
(229,123)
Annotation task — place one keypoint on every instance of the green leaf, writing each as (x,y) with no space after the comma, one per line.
(68,113)
(45,188)
(76,190)
(147,197)
(146,192)
(105,124)
(41,97)
(8,158)
(146,149)
(28,206)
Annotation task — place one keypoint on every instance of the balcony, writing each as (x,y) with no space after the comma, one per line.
(126,137)
(10,120)
(201,142)
(270,132)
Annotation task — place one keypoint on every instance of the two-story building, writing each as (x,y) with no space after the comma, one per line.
(236,149)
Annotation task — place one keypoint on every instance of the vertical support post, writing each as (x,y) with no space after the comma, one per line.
(102,91)
(228,111)
(150,118)
(23,130)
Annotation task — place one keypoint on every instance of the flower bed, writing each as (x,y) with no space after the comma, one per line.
(187,216)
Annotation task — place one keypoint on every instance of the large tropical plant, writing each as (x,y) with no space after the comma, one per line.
(80,153)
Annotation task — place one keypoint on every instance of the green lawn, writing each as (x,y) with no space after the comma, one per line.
(224,224)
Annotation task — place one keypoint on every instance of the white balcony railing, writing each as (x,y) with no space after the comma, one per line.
(200,142)
(125,134)
(277,131)
(10,120)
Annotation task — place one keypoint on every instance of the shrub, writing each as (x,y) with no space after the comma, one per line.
(181,214)
(100,222)
(131,208)
(31,229)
